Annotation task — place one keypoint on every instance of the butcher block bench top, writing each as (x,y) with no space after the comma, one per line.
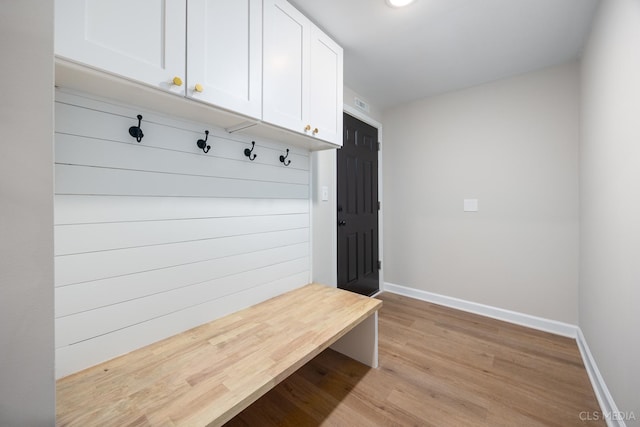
(207,375)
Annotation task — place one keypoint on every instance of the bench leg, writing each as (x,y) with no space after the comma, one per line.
(361,343)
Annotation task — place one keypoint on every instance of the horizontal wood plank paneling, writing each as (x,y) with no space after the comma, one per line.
(99,265)
(84,180)
(88,324)
(79,150)
(114,290)
(104,347)
(97,120)
(92,209)
(155,237)
(72,239)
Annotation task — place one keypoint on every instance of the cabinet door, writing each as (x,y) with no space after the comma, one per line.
(224,59)
(326,88)
(286,66)
(143,40)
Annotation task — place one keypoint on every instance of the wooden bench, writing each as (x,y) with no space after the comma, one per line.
(207,375)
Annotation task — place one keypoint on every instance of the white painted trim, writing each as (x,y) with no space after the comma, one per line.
(312,187)
(364,118)
(534,322)
(607,405)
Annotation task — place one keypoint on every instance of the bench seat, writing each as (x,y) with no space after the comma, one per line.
(208,374)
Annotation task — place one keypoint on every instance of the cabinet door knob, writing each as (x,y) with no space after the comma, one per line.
(177,81)
(307,128)
(198,88)
(316,131)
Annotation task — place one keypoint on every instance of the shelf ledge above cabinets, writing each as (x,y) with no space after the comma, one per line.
(70,75)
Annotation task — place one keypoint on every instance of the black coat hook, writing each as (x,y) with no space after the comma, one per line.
(283,158)
(136,131)
(248,152)
(202,143)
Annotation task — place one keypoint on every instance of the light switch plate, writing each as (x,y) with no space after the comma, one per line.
(325,193)
(471,205)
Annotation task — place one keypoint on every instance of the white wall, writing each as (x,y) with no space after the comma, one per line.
(512,144)
(610,200)
(155,237)
(324,218)
(27,388)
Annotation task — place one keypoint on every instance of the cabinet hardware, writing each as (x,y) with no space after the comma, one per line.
(198,88)
(307,128)
(248,152)
(202,143)
(177,81)
(136,131)
(316,131)
(283,158)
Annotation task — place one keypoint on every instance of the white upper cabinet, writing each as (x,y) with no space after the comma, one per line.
(142,40)
(286,66)
(302,74)
(326,87)
(224,55)
(257,59)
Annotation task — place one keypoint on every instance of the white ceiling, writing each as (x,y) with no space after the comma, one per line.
(393,56)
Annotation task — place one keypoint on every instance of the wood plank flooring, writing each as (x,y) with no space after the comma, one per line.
(438,367)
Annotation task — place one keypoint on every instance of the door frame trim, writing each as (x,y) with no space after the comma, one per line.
(363,117)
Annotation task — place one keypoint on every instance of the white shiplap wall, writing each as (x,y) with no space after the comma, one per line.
(156,237)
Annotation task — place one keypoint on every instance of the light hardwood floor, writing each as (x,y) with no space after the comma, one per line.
(438,367)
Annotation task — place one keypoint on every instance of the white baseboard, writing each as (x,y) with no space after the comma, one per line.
(609,411)
(608,407)
(542,324)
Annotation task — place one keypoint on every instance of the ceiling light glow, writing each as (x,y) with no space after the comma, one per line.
(399,3)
